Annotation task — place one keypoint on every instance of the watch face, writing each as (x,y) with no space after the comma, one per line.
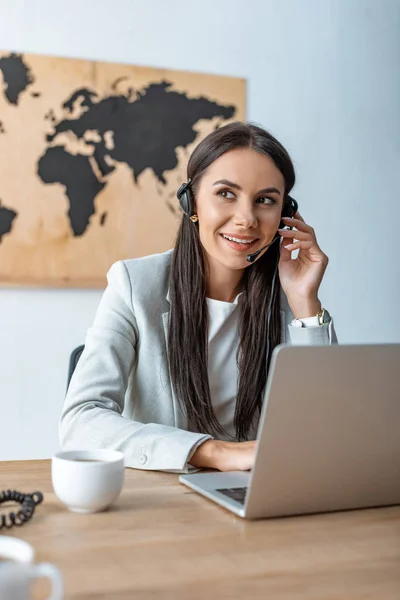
(326,317)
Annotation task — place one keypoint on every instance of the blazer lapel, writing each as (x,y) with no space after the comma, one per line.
(179,415)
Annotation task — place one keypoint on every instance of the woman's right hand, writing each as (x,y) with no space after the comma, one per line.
(224,456)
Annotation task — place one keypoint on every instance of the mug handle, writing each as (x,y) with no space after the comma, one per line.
(51,572)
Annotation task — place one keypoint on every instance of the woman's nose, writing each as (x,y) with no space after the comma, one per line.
(245,216)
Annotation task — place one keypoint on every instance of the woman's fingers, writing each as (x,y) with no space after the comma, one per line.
(286,252)
(307,245)
(310,245)
(302,238)
(300,224)
(298,235)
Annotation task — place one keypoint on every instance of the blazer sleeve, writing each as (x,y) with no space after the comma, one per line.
(322,335)
(92,413)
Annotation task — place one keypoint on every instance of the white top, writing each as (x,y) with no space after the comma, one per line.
(223,341)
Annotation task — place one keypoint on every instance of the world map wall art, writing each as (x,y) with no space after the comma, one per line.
(91,156)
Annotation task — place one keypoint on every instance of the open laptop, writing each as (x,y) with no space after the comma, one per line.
(328,436)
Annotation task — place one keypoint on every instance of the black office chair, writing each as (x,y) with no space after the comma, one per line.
(73,361)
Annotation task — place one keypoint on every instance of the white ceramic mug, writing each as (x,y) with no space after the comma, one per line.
(17,571)
(88,481)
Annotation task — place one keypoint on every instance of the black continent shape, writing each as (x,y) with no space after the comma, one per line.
(146,132)
(7,217)
(76,175)
(17,76)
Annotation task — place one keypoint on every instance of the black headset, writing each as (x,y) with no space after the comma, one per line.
(185,197)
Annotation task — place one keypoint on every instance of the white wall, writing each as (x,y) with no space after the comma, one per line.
(323,76)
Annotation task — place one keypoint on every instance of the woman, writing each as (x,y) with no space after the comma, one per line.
(175,364)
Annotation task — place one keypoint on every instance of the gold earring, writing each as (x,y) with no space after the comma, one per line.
(194,218)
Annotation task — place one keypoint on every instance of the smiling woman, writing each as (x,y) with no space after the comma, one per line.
(237,239)
(244,212)
(182,341)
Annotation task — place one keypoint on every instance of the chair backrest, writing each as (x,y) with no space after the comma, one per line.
(73,361)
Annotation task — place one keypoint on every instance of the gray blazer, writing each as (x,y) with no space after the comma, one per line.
(120,395)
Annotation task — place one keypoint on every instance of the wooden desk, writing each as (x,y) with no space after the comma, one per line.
(161,540)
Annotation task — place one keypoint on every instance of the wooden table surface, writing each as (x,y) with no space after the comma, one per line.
(161,540)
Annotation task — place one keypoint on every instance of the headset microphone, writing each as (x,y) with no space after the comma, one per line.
(252,257)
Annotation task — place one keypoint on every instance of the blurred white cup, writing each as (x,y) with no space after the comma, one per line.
(88,481)
(17,571)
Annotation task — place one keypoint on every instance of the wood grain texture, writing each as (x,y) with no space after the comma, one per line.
(160,540)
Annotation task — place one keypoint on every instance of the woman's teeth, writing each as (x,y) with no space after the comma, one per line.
(233,239)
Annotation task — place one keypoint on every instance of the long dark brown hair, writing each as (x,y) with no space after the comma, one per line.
(188,324)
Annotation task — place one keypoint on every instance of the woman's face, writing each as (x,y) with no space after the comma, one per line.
(240,196)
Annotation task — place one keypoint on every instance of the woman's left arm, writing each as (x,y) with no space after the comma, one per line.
(300,280)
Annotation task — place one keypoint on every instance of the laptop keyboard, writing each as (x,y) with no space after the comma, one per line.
(236,493)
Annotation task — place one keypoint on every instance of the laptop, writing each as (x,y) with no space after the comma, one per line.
(328,436)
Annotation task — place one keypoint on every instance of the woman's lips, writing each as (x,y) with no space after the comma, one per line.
(240,247)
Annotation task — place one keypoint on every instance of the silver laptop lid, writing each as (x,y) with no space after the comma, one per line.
(329,435)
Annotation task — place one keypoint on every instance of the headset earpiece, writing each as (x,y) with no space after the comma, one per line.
(185,197)
(290,207)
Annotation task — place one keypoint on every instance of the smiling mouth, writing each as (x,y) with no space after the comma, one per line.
(239,243)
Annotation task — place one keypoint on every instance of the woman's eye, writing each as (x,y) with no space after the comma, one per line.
(265,200)
(226,194)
